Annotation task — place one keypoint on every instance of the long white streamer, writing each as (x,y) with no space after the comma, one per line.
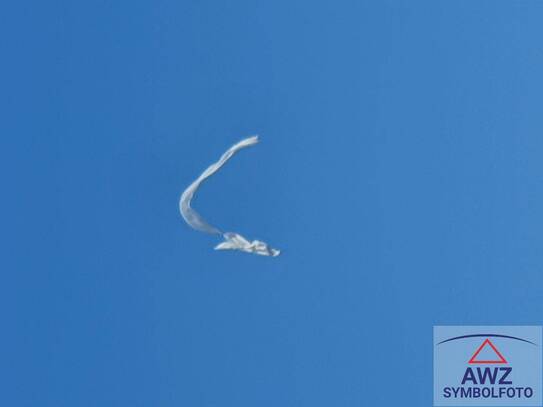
(232,241)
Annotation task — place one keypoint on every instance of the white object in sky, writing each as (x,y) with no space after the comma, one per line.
(232,241)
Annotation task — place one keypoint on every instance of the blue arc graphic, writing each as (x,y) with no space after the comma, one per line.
(486,336)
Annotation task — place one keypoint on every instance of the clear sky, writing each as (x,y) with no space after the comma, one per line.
(400,172)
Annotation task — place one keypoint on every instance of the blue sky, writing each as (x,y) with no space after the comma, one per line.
(399,170)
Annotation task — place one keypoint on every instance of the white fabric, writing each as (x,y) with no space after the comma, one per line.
(233,241)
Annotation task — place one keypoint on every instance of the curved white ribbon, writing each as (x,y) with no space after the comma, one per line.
(233,241)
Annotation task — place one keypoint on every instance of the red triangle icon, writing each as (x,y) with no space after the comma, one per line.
(487,342)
